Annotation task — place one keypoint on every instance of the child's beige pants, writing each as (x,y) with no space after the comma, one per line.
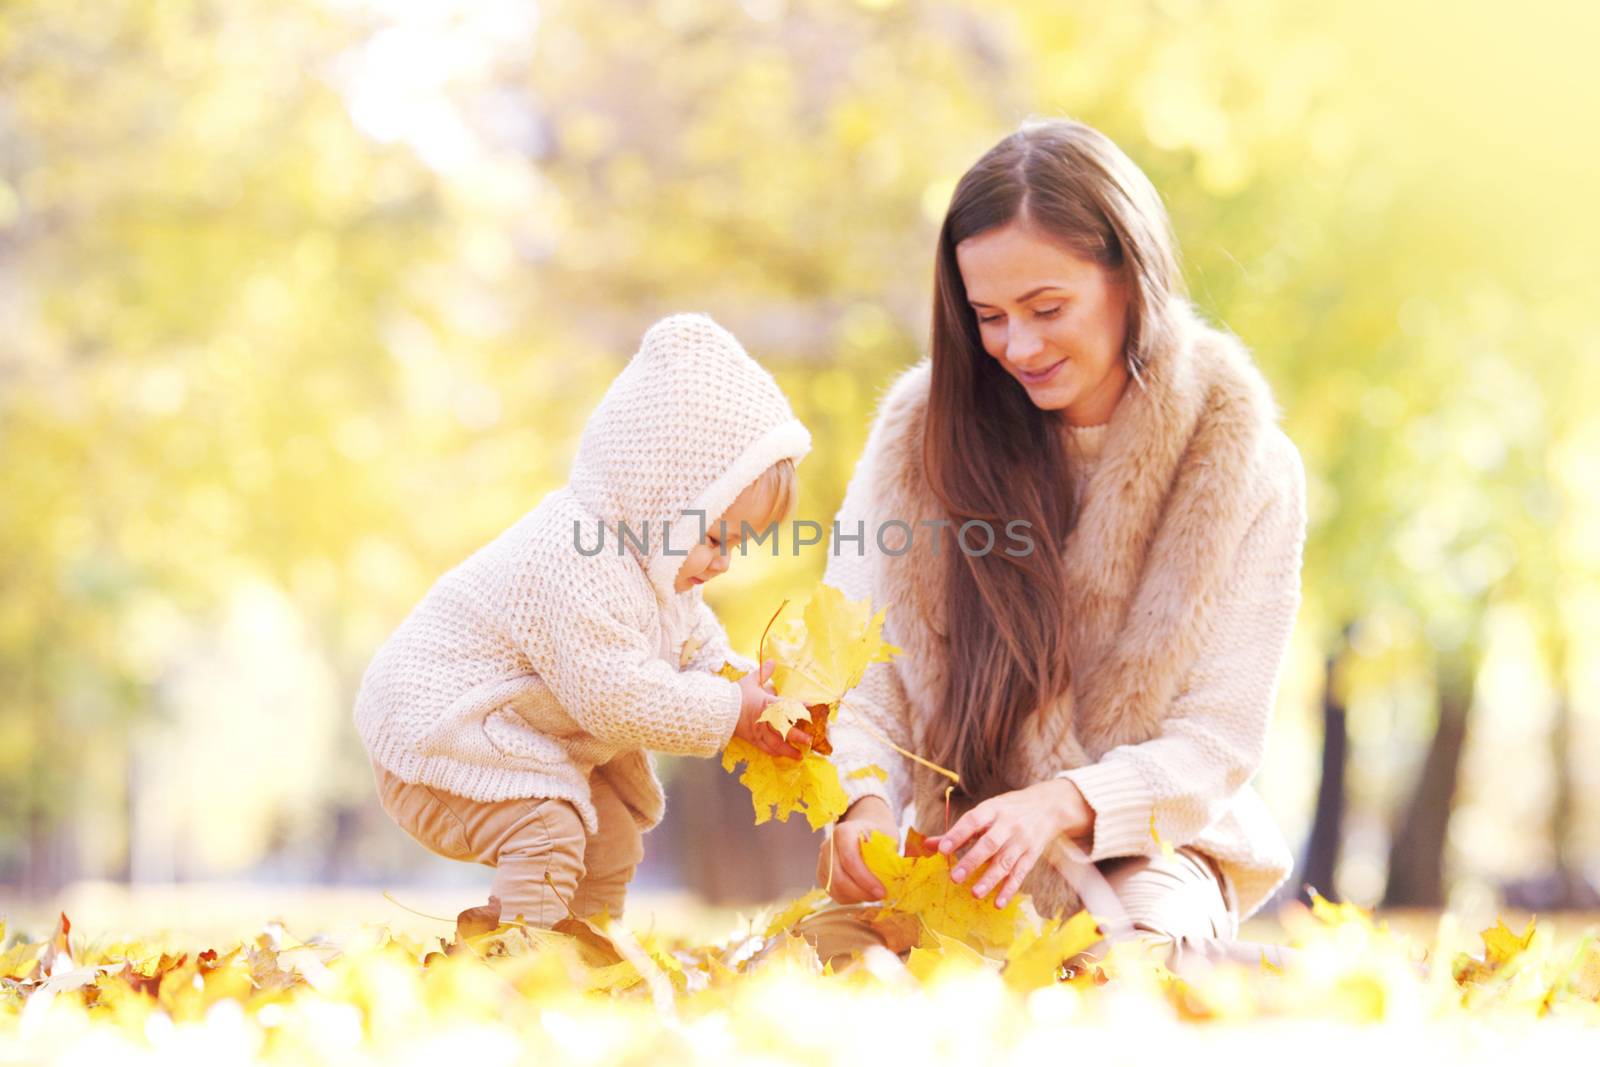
(525,840)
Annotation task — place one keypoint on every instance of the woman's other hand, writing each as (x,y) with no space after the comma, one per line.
(1010,832)
(840,868)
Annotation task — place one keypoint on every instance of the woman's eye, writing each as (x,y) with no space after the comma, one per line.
(986,319)
(1049,313)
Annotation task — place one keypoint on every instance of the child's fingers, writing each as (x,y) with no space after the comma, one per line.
(799,738)
(774,745)
(766,671)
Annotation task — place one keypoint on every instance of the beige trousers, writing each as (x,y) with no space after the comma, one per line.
(544,861)
(1177,901)
(1177,896)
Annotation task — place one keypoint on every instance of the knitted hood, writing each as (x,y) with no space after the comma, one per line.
(688,424)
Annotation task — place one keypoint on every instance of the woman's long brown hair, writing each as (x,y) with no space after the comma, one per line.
(991,455)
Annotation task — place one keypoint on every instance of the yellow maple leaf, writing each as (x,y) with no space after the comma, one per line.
(823,655)
(795,911)
(946,958)
(1501,946)
(1034,960)
(1340,914)
(922,886)
(783,713)
(779,786)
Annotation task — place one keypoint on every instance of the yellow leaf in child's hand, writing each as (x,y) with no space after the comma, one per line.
(922,886)
(824,655)
(690,647)
(730,672)
(871,770)
(783,713)
(783,786)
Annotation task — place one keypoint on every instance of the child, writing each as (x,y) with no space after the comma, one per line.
(507,717)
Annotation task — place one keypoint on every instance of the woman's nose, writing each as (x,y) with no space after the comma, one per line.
(1022,343)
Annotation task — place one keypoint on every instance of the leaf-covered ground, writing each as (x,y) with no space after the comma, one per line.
(604,993)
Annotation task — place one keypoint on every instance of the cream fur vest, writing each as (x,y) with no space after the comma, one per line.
(1165,510)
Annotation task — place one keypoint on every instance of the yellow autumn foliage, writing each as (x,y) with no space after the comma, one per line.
(823,654)
(598,992)
(779,786)
(922,886)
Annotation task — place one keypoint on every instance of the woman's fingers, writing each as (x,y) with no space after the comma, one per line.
(1004,862)
(977,855)
(969,825)
(1019,874)
(799,738)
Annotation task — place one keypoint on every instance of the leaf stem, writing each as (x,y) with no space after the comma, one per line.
(912,756)
(761,649)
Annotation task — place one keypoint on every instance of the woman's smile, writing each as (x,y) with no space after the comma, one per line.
(1040,375)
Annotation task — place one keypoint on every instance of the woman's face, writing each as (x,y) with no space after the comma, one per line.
(1054,320)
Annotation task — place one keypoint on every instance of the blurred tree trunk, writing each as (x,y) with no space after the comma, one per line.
(1416,853)
(1574,892)
(1327,825)
(721,855)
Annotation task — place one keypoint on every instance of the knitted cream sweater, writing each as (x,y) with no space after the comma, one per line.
(532,664)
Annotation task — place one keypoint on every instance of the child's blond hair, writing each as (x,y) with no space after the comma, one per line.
(781,481)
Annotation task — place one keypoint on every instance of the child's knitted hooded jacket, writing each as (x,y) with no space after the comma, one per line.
(532,664)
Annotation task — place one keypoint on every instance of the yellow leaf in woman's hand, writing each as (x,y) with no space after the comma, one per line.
(922,886)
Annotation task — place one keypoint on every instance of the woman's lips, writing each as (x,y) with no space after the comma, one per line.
(1039,377)
(697,581)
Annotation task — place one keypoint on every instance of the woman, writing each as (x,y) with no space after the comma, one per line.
(1112,686)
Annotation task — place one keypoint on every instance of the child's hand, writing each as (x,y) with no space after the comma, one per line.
(756,696)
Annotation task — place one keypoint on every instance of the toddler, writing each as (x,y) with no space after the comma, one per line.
(508,717)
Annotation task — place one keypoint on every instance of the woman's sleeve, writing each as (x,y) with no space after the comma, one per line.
(587,638)
(1212,741)
(880,699)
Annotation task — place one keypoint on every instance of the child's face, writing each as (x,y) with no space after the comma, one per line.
(711,557)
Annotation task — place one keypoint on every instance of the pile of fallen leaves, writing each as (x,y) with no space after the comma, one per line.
(978,985)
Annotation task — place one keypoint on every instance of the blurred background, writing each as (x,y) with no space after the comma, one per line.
(301,302)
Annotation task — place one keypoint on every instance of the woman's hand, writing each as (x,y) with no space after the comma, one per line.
(840,868)
(1012,830)
(754,696)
